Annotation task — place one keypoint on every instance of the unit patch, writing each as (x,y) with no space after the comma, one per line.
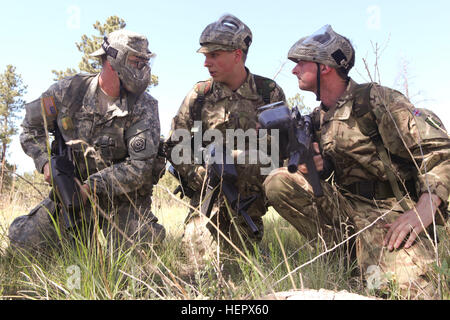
(48,104)
(138,144)
(67,123)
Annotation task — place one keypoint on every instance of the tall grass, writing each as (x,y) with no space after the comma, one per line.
(96,269)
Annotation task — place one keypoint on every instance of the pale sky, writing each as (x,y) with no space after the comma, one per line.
(40,36)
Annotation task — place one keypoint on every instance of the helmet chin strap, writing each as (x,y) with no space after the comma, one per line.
(123,91)
(318,82)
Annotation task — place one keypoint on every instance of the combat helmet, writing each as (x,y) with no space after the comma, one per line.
(326,47)
(117,47)
(228,33)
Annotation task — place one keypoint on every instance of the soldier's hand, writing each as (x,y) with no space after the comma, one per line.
(85,192)
(412,222)
(47,175)
(318,160)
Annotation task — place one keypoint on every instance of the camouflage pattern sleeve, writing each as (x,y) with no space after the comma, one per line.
(33,137)
(142,140)
(193,173)
(427,141)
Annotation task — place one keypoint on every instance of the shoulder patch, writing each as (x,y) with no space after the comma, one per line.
(67,123)
(138,144)
(48,104)
(203,87)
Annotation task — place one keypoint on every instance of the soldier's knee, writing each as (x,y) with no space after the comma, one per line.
(34,230)
(275,186)
(24,234)
(149,232)
(157,232)
(16,235)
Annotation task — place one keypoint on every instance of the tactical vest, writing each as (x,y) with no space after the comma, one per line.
(77,89)
(73,101)
(366,116)
(73,98)
(264,86)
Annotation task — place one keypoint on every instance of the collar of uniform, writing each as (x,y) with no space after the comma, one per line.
(347,95)
(118,109)
(247,90)
(344,105)
(115,110)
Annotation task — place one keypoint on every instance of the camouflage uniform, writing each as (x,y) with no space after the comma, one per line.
(226,109)
(213,104)
(114,152)
(342,211)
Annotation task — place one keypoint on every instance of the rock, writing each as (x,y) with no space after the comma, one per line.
(311,294)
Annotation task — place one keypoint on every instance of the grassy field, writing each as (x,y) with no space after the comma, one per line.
(94,270)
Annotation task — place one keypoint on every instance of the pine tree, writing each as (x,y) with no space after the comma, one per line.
(12,90)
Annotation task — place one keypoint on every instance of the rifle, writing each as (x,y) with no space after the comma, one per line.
(183,186)
(222,177)
(299,132)
(65,189)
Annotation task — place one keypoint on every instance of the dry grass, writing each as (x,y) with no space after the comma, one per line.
(96,271)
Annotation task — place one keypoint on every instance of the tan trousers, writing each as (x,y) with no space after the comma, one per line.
(337,215)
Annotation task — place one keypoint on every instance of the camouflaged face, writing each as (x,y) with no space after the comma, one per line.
(228,33)
(118,47)
(324,46)
(114,151)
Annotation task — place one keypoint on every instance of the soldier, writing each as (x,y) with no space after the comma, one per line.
(380,148)
(112,126)
(228,100)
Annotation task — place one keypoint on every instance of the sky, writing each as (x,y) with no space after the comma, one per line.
(399,37)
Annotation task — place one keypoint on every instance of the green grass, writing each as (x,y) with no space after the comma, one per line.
(95,270)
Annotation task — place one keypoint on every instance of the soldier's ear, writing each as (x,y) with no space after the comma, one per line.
(107,66)
(324,69)
(238,54)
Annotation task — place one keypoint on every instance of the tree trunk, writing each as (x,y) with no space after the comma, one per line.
(3,167)
(13,185)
